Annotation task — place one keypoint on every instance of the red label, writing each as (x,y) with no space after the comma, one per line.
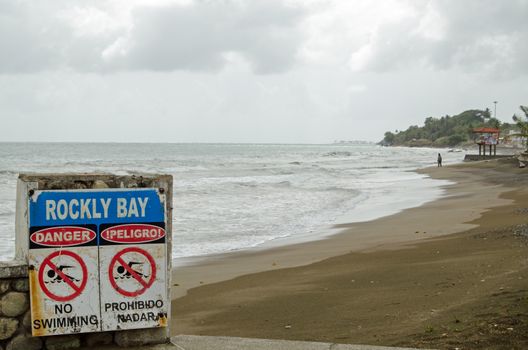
(133,233)
(62,236)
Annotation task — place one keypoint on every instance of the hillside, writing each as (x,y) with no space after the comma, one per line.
(447,131)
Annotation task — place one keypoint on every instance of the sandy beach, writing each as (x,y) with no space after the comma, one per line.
(449,274)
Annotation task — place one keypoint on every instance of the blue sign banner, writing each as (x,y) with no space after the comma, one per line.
(87,207)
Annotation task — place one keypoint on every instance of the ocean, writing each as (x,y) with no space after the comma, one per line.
(231,197)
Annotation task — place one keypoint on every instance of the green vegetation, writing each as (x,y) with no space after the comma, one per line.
(447,131)
(522,124)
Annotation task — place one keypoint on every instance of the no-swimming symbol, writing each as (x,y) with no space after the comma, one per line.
(132,271)
(63,275)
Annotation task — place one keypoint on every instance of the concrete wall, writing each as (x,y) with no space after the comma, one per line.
(15,316)
(474,157)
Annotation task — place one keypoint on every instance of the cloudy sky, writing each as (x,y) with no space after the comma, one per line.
(289,71)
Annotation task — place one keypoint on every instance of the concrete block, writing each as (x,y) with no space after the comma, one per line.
(63,342)
(13,269)
(24,342)
(80,181)
(14,304)
(8,327)
(139,337)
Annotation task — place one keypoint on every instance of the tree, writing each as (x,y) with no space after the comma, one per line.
(522,124)
(389,138)
(444,131)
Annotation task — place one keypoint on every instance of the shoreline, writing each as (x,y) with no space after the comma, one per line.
(463,192)
(364,211)
(448,274)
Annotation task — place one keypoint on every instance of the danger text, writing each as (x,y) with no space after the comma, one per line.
(126,233)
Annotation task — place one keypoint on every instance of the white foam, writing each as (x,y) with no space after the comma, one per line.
(232,197)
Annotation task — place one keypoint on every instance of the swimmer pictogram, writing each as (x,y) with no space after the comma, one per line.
(63,275)
(132,271)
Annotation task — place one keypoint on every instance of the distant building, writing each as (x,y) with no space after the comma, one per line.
(514,141)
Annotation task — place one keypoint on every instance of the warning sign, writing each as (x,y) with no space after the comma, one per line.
(64,290)
(134,259)
(98,260)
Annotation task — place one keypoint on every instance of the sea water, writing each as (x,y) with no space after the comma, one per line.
(236,196)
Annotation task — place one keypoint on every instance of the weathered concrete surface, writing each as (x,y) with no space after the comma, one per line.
(475,157)
(94,181)
(13,269)
(190,342)
(194,342)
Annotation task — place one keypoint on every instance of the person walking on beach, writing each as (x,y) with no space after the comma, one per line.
(439,160)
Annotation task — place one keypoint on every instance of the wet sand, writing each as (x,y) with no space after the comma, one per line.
(451,273)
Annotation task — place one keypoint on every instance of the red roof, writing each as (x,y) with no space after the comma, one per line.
(486,130)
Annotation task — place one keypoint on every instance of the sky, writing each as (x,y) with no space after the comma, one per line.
(253,71)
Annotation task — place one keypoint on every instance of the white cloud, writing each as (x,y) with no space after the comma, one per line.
(107,36)
(253,71)
(268,36)
(484,37)
(197,36)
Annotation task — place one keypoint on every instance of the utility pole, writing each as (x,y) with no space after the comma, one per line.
(495,113)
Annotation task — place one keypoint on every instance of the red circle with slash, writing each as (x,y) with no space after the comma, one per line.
(62,276)
(143,282)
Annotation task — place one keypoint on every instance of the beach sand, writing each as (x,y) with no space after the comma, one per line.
(451,273)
